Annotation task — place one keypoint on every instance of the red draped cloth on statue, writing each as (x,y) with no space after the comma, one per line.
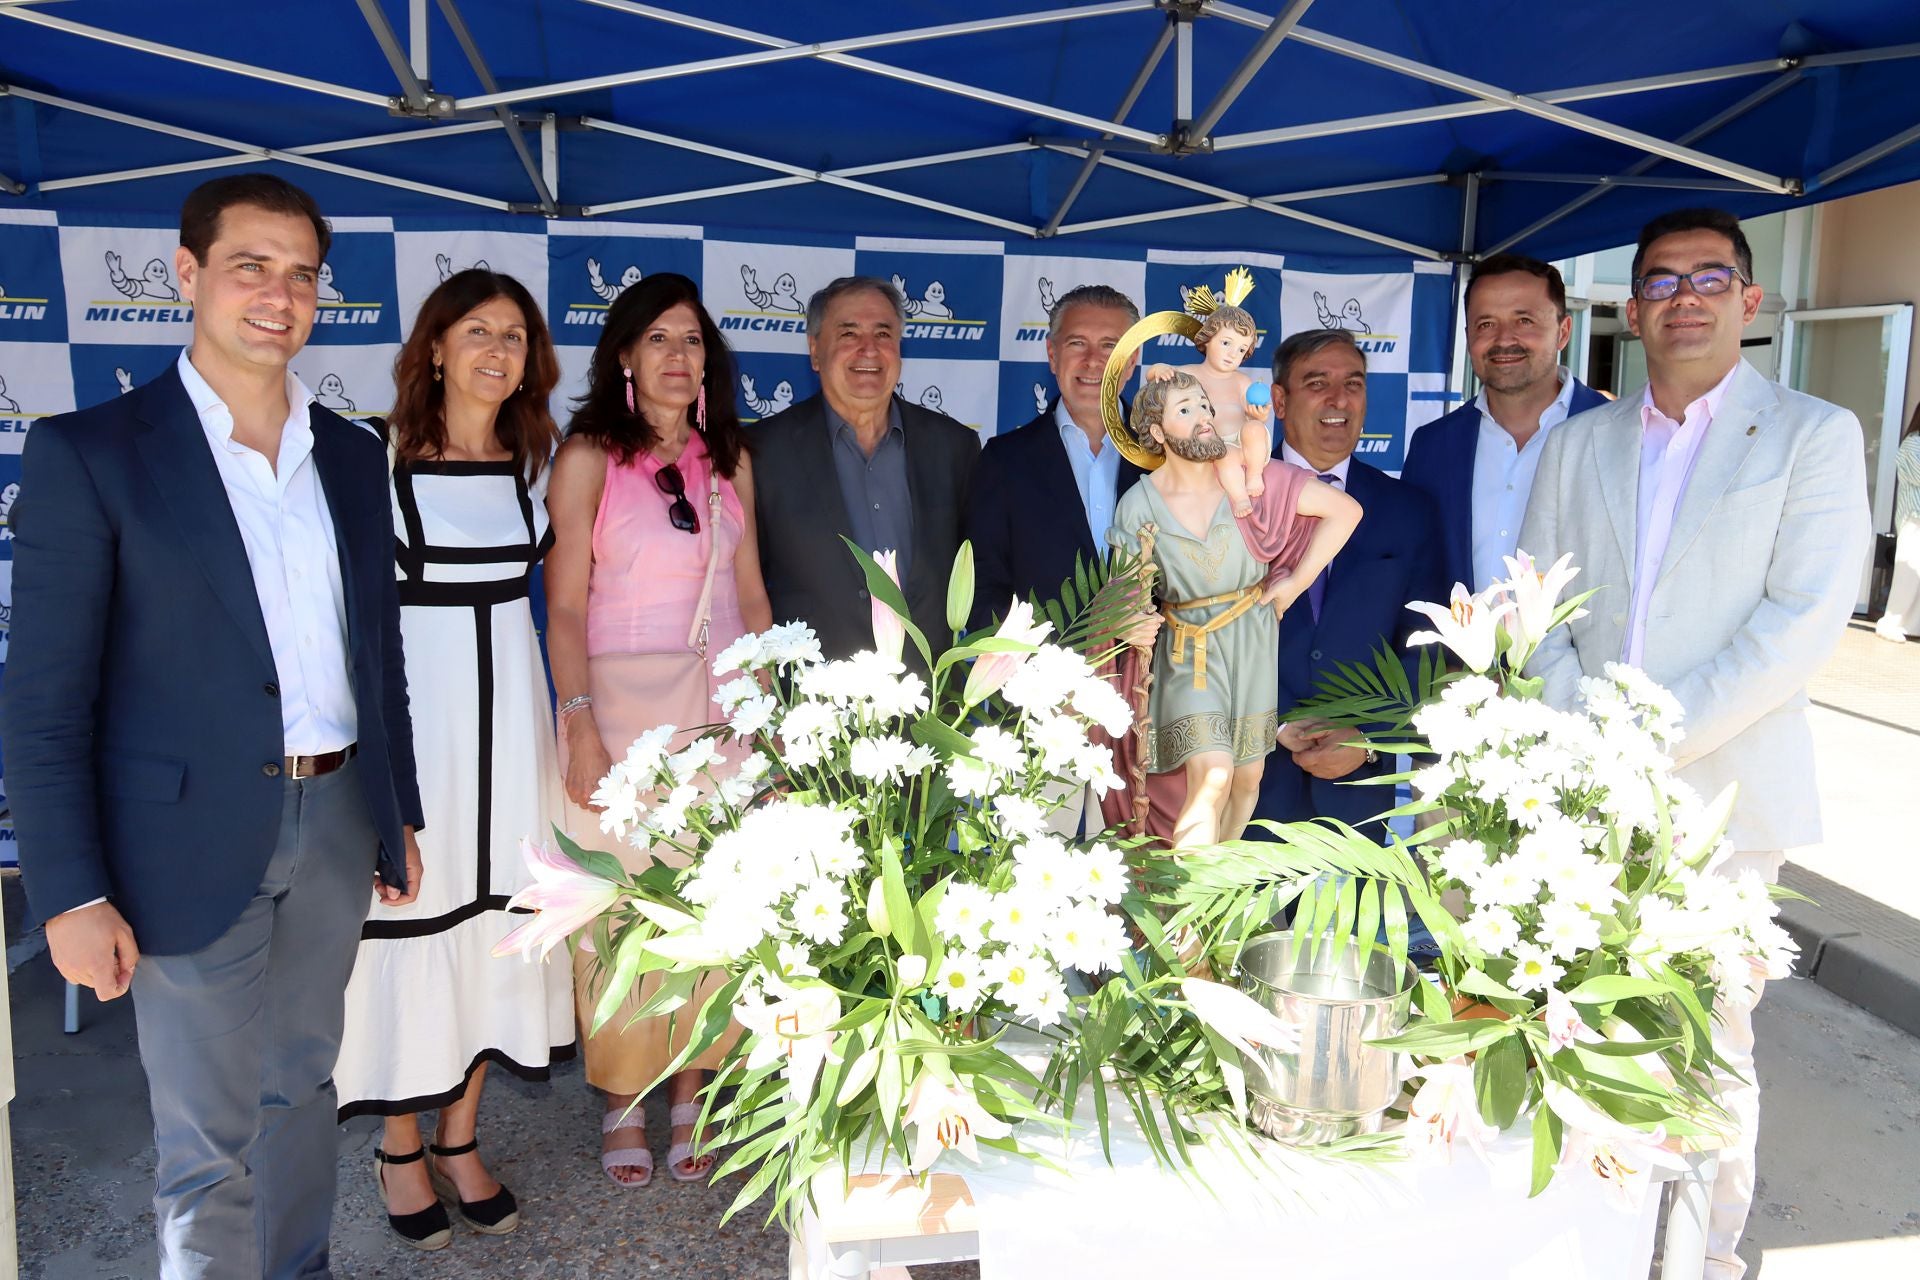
(1275,534)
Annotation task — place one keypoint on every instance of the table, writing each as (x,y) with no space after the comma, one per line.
(1470,1219)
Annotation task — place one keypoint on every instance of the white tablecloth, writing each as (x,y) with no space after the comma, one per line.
(1318,1219)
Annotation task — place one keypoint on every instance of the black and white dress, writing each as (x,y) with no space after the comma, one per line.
(428,1001)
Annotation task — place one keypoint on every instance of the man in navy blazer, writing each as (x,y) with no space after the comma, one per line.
(1478,462)
(1320,395)
(209,753)
(1044,492)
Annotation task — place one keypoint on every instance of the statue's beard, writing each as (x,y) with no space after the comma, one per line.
(1209,448)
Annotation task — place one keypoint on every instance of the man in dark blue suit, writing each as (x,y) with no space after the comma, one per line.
(1320,394)
(1478,462)
(209,751)
(1044,492)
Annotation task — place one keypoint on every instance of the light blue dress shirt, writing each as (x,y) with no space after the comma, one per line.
(1096,475)
(1502,482)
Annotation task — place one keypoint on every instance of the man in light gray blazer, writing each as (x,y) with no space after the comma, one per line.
(1724,519)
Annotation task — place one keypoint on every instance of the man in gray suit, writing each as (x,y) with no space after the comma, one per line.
(1724,519)
(860,462)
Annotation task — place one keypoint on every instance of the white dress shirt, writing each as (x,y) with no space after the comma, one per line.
(1338,470)
(1667,453)
(288,533)
(1502,482)
(1096,475)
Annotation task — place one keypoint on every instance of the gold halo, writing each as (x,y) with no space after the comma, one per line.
(1153,326)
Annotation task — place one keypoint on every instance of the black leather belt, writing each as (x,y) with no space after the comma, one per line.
(314,766)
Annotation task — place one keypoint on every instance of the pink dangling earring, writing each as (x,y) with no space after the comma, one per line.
(629,376)
(700,409)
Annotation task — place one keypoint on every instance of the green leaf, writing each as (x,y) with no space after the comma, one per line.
(1500,1080)
(960,589)
(1608,987)
(859,1076)
(1546,1148)
(941,738)
(591,861)
(1449,1039)
(894,891)
(1476,982)
(626,964)
(1629,1048)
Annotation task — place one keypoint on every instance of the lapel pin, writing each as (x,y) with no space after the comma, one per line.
(1755,427)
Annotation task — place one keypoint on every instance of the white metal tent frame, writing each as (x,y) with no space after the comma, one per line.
(516,114)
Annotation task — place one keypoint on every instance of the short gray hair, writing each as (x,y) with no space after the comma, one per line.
(1091,295)
(1299,346)
(823,298)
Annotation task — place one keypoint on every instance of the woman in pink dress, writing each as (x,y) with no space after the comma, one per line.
(651,504)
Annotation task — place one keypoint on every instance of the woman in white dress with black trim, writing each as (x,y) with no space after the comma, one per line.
(429,1006)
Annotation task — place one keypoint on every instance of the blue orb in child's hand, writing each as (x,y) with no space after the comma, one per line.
(1259,395)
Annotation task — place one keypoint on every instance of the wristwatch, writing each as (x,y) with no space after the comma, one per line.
(1373,757)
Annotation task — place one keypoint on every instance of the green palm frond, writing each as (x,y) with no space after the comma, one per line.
(1097,603)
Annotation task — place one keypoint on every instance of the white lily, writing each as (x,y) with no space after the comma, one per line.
(1564,1023)
(1249,1025)
(1535,596)
(1444,1110)
(889,633)
(992,670)
(1622,1157)
(1468,624)
(949,1118)
(797,1028)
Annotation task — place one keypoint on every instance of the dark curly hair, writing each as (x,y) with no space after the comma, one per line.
(602,415)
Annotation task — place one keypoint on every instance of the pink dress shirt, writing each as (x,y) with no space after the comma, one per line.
(1667,453)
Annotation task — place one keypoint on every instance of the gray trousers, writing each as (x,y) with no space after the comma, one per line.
(239,1042)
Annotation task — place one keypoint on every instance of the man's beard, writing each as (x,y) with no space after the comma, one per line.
(1518,377)
(1198,449)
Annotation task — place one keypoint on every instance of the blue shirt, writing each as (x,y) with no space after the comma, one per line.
(1095,475)
(879,503)
(1502,482)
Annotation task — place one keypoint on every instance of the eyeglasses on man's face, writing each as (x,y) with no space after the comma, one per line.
(1658,286)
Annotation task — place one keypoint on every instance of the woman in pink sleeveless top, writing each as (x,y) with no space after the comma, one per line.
(651,487)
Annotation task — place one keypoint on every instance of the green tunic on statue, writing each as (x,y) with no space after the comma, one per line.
(1238,711)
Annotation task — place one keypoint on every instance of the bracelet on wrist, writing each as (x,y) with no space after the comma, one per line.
(571,705)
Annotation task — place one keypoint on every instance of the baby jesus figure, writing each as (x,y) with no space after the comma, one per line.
(1224,584)
(1240,404)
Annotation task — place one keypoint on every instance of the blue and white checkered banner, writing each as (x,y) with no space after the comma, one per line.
(89,308)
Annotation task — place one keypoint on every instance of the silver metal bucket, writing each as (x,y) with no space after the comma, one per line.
(1338,1085)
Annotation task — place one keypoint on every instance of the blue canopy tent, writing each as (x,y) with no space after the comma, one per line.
(1435,129)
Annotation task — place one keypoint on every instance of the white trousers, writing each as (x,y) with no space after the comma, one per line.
(1733,1039)
(1903,597)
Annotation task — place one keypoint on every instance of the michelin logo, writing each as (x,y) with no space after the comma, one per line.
(782,397)
(153,289)
(1349,317)
(123,380)
(7,496)
(595,313)
(774,306)
(930,306)
(334,307)
(1373,444)
(1036,331)
(14,420)
(444,265)
(22,308)
(332,394)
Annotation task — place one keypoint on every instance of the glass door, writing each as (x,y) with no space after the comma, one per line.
(1856,357)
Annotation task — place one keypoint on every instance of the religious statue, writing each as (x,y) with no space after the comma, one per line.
(1226,335)
(1223,581)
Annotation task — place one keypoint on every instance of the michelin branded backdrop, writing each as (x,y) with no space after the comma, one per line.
(90,308)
